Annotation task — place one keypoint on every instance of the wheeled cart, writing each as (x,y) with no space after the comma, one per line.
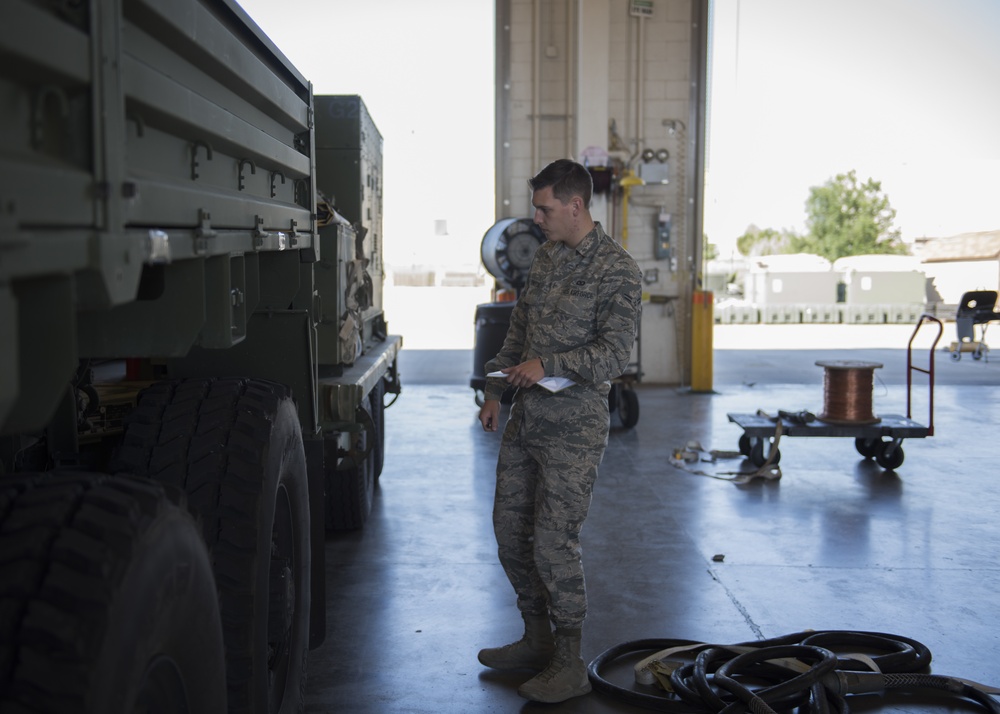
(881,440)
(977,307)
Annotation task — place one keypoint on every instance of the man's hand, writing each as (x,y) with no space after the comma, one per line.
(489,415)
(525,374)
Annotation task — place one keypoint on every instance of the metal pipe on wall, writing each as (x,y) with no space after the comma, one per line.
(570,84)
(536,87)
(640,61)
(629,121)
(636,79)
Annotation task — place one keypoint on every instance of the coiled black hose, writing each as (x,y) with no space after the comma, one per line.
(728,679)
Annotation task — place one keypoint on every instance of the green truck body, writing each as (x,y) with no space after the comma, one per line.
(180,216)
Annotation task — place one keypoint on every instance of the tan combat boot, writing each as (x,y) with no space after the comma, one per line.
(533,651)
(566,675)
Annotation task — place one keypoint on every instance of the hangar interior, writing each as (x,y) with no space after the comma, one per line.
(227,485)
(692,550)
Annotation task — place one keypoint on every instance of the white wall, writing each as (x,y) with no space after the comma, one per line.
(791,288)
(951,279)
(873,287)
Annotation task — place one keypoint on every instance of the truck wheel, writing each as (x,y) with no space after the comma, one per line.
(110,603)
(235,446)
(350,478)
(350,493)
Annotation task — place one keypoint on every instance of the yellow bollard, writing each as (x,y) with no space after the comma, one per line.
(702,324)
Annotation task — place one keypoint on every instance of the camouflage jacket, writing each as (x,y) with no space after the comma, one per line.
(579,313)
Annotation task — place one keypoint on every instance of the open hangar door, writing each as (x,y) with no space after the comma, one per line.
(619,85)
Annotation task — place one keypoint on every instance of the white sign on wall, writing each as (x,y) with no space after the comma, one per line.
(641,8)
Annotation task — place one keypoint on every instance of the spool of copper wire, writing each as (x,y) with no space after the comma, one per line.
(847,391)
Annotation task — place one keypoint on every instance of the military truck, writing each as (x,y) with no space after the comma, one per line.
(194,359)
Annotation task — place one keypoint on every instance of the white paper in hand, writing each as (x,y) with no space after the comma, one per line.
(553,384)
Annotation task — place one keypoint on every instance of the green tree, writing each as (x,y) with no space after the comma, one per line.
(764,241)
(710,251)
(845,217)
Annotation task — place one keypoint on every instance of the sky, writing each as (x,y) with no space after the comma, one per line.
(901,91)
(424,69)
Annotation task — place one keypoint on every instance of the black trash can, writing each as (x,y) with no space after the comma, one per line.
(492,321)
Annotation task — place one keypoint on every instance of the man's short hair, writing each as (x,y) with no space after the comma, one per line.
(567,179)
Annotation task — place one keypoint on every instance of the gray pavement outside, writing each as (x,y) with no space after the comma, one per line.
(784,363)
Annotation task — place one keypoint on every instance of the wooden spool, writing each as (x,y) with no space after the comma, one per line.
(847,391)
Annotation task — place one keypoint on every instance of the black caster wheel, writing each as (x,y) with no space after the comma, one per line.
(890,456)
(745,445)
(956,356)
(759,452)
(868,448)
(628,408)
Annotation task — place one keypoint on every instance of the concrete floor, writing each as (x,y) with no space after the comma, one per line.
(836,543)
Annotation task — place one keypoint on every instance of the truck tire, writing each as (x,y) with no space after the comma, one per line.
(350,478)
(109,599)
(235,447)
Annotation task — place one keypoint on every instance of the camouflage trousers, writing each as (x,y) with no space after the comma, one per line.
(551,448)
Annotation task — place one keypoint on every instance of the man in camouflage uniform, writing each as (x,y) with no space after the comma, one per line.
(577,318)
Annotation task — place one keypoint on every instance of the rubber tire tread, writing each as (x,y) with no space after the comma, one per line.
(350,485)
(102,575)
(760,451)
(888,458)
(210,438)
(867,447)
(628,407)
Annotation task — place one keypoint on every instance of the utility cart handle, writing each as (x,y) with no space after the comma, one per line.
(910,369)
